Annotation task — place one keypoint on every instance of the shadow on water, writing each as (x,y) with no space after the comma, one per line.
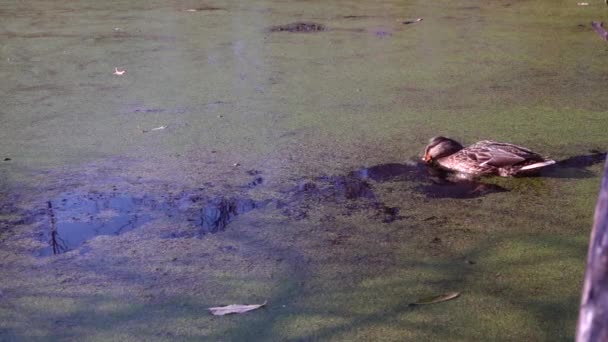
(574,167)
(74,218)
(434,183)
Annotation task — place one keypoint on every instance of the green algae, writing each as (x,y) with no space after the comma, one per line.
(326,103)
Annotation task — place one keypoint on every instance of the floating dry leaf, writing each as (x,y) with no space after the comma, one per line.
(234,308)
(407,22)
(436,299)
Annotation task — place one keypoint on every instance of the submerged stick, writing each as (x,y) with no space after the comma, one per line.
(593,315)
(598,26)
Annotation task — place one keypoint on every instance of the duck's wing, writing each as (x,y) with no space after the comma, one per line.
(497,154)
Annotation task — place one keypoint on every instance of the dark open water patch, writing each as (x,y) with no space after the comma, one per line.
(76,218)
(72,218)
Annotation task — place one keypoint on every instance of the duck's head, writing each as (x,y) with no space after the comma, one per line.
(440,147)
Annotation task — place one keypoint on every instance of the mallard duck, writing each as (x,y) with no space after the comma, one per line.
(483,158)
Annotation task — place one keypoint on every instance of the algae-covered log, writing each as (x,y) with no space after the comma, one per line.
(593,316)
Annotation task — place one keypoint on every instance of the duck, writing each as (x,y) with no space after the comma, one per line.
(483,158)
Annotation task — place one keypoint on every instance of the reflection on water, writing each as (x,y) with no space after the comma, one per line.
(219,212)
(76,218)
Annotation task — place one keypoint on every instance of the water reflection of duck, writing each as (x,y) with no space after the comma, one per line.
(485,157)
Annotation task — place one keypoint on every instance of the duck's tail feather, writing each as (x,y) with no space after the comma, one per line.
(538,165)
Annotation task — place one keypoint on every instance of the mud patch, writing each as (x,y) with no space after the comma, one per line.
(219,212)
(299,27)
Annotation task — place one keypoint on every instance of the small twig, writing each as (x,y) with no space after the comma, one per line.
(56,242)
(52,215)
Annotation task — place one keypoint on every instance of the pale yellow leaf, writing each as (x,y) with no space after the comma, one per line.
(436,299)
(234,308)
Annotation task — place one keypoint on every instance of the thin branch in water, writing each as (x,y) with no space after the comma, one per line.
(59,246)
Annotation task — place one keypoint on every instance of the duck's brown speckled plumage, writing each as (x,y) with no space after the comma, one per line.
(485,157)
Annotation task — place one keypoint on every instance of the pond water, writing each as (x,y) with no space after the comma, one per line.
(260,151)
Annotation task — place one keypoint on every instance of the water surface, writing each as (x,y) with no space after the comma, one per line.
(268,150)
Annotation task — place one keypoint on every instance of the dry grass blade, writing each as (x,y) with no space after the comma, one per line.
(234,308)
(436,299)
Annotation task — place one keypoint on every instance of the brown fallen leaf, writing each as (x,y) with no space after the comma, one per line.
(234,308)
(436,299)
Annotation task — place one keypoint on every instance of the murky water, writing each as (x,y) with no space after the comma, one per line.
(269,150)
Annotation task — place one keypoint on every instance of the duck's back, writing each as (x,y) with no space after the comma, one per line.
(489,157)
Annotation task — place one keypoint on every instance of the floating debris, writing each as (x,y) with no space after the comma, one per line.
(417,20)
(153,129)
(299,27)
(148,110)
(583,3)
(436,299)
(355,16)
(234,309)
(119,72)
(205,8)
